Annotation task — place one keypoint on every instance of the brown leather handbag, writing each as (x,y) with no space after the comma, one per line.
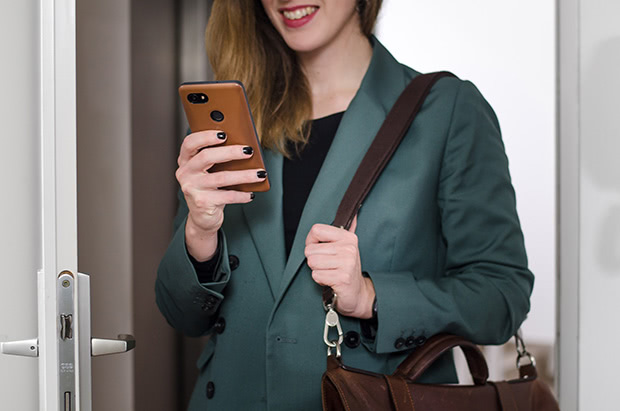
(345,388)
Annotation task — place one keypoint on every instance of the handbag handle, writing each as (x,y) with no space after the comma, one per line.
(423,357)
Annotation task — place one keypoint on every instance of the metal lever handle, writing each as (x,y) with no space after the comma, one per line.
(124,343)
(24,348)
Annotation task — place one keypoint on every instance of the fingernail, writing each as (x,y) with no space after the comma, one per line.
(248,150)
(261,174)
(252,195)
(221,135)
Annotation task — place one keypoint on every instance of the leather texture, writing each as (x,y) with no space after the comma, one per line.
(414,365)
(345,388)
(229,98)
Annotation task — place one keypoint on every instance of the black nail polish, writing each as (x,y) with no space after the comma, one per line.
(221,135)
(261,174)
(248,150)
(252,195)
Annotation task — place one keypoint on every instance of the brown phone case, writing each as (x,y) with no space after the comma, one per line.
(227,98)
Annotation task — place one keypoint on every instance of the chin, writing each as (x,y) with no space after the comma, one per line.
(307,40)
(302,44)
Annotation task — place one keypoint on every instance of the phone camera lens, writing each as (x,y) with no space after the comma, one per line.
(197,98)
(217,115)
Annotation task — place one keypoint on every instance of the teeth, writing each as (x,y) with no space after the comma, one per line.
(299,13)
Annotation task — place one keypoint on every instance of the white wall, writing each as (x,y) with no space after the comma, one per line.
(20,232)
(508,50)
(598,218)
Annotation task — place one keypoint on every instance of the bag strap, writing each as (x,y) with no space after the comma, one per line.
(392,131)
(390,134)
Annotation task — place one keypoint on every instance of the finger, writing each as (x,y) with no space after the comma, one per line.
(327,233)
(321,248)
(231,178)
(324,277)
(353,224)
(343,250)
(194,142)
(224,197)
(215,155)
(325,262)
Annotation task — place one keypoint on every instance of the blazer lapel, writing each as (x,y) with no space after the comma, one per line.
(264,218)
(380,88)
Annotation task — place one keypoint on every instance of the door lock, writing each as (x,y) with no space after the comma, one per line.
(74,342)
(66,326)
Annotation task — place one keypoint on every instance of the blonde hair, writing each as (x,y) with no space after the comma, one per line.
(243,45)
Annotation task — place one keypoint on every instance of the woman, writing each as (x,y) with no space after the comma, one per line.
(437,246)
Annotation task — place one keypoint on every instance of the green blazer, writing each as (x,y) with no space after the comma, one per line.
(438,234)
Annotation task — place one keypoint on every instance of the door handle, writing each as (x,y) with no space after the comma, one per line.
(74,343)
(24,348)
(100,346)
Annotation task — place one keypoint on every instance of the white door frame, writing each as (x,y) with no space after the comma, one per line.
(59,189)
(64,363)
(59,345)
(589,216)
(567,355)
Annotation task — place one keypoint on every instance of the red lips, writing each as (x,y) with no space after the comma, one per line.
(295,23)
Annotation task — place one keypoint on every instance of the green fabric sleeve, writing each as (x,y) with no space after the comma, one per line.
(188,305)
(483,291)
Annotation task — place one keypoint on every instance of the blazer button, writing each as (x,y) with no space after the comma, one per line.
(399,343)
(420,340)
(220,325)
(352,339)
(206,307)
(210,389)
(233,262)
(410,342)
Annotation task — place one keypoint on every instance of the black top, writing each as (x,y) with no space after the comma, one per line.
(300,171)
(298,176)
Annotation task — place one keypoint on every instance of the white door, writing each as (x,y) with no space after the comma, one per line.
(44,301)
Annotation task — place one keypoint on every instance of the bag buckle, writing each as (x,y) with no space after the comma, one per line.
(522,351)
(332,321)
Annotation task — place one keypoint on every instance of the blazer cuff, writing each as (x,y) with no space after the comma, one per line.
(185,302)
(398,328)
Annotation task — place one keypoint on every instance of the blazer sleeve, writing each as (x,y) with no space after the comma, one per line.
(483,291)
(188,305)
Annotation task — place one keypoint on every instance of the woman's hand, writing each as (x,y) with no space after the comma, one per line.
(334,258)
(199,152)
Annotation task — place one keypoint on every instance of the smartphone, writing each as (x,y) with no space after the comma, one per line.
(223,105)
